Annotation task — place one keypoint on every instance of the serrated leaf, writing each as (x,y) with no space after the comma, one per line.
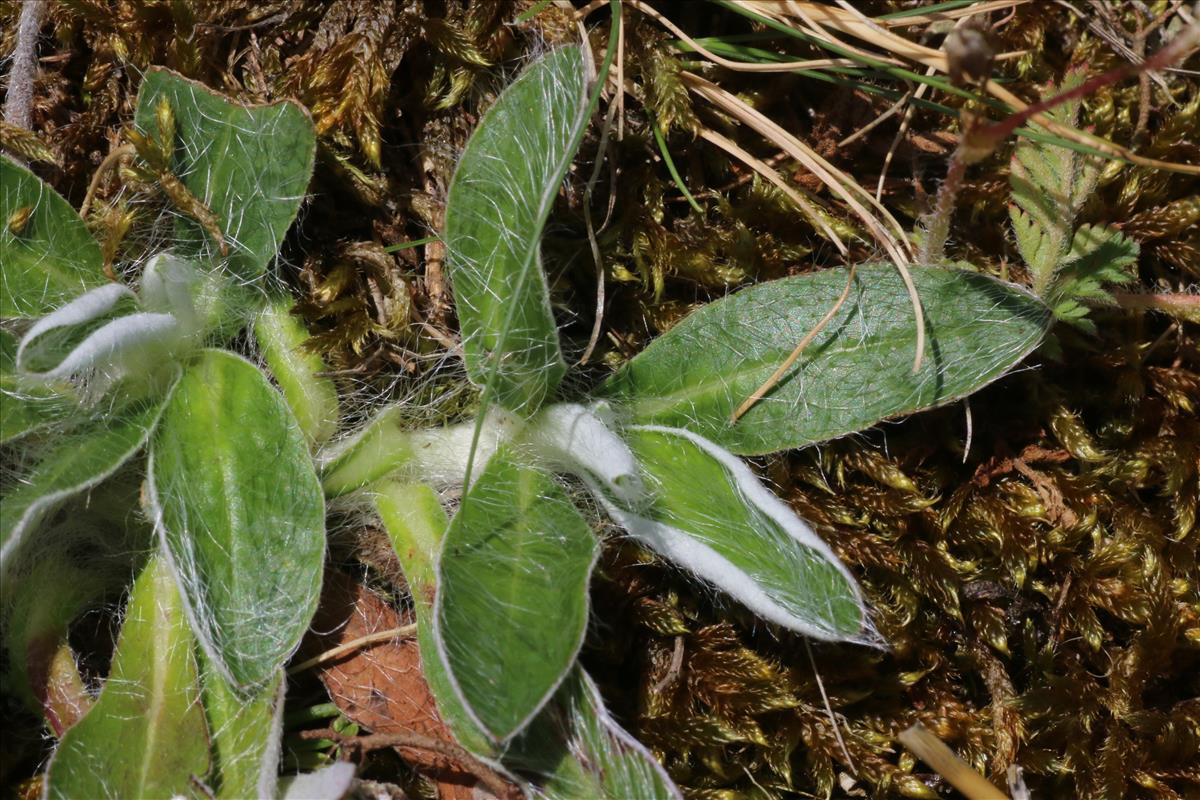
(856,372)
(416,524)
(26,405)
(1099,255)
(500,197)
(1050,185)
(246,735)
(47,254)
(238,506)
(78,459)
(146,735)
(710,515)
(511,606)
(575,749)
(250,165)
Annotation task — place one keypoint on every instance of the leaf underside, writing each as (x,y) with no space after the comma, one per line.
(855,373)
(575,749)
(500,197)
(711,516)
(511,606)
(241,513)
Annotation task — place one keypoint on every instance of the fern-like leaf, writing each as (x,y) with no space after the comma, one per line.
(1099,255)
(1050,185)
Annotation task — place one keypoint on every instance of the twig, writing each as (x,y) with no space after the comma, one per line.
(770,382)
(672,669)
(1182,306)
(837,733)
(18,106)
(933,248)
(109,162)
(469,763)
(403,632)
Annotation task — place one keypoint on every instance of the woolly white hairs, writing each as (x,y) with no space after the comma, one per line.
(755,582)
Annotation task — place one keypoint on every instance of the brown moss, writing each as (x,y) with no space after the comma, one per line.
(1040,597)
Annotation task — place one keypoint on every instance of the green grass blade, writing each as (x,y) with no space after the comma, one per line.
(854,374)
(236,500)
(899,73)
(47,254)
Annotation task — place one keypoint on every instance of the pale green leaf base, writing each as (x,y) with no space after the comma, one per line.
(146,735)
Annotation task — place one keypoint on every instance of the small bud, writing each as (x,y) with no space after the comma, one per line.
(969,56)
(19,219)
(164,118)
(979,139)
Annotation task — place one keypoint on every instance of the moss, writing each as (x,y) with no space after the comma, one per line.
(1039,595)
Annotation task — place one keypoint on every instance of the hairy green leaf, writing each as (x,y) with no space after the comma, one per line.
(47,255)
(511,605)
(27,405)
(67,569)
(575,749)
(246,735)
(856,372)
(710,515)
(78,459)
(312,397)
(238,505)
(249,165)
(500,197)
(98,340)
(146,735)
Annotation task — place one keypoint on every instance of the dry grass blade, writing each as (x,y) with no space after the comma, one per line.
(737,66)
(897,46)
(930,749)
(404,631)
(776,180)
(770,382)
(837,181)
